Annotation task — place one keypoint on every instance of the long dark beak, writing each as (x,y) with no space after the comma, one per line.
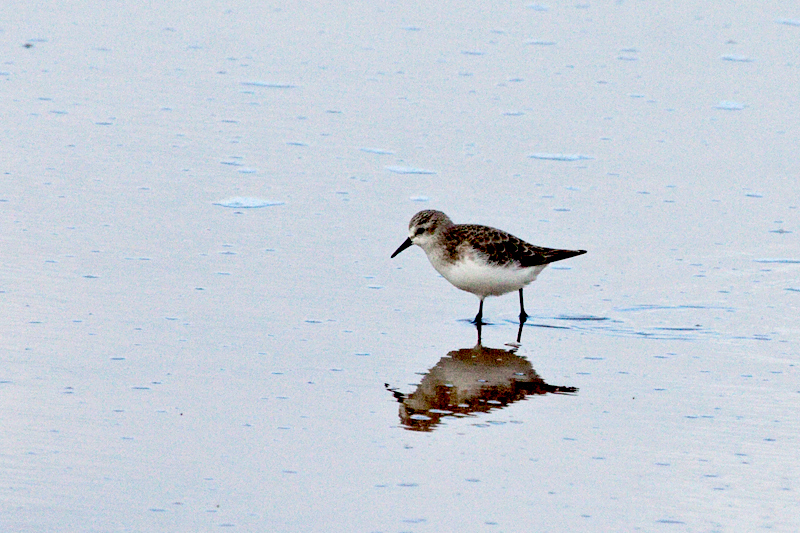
(403,246)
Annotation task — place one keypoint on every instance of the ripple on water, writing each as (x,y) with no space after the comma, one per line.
(268,84)
(583,318)
(620,327)
(778,260)
(736,58)
(379,151)
(654,307)
(410,170)
(560,157)
(727,105)
(241,202)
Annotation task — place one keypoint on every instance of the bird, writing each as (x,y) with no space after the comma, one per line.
(482,260)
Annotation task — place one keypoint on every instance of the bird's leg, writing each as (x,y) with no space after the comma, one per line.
(479,316)
(523,316)
(478,326)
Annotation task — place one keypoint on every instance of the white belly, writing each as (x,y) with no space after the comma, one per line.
(482,279)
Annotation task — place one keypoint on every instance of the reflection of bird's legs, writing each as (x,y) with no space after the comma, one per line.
(519,332)
(478,326)
(523,316)
(479,316)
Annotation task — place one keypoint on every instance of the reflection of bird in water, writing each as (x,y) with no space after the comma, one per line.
(468,381)
(478,259)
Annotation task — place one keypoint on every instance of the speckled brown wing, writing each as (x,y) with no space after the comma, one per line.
(502,248)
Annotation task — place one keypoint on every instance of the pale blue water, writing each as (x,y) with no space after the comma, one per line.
(169,364)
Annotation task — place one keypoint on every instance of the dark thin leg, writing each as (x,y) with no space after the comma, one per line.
(523,316)
(478,325)
(479,316)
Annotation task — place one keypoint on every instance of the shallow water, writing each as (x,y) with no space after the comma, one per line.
(202,326)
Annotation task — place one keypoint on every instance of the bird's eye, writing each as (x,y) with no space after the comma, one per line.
(419,231)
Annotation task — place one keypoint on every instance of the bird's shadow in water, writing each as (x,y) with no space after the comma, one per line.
(471,380)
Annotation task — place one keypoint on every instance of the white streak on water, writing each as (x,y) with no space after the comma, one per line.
(241,202)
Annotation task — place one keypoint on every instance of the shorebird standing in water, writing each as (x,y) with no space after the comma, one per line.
(478,259)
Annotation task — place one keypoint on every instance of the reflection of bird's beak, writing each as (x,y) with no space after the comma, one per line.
(403,246)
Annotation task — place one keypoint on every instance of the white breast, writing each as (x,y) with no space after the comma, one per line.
(472,274)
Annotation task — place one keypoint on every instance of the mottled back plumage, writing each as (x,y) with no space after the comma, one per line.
(501,248)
